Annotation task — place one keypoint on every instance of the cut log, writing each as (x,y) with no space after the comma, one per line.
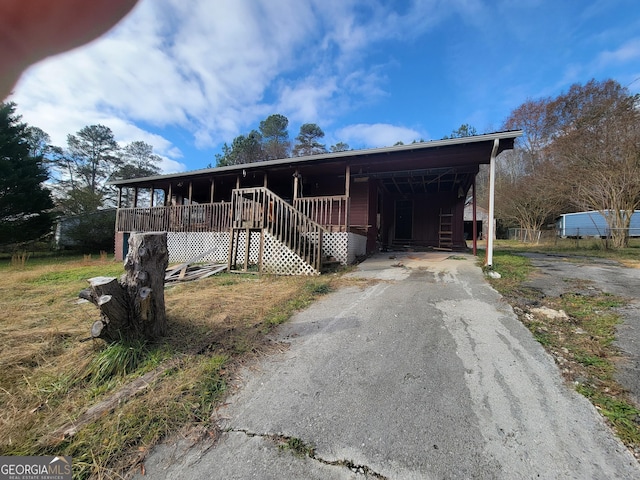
(133,307)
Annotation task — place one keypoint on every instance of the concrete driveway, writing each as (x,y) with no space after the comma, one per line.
(423,374)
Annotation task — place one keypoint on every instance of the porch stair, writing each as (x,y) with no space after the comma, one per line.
(259,212)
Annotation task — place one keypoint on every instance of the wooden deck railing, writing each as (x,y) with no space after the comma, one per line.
(330,212)
(209,217)
(300,227)
(261,208)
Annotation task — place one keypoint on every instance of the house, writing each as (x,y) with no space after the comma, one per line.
(481,221)
(72,231)
(591,224)
(288,216)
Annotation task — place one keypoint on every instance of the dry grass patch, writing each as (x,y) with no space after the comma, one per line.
(51,377)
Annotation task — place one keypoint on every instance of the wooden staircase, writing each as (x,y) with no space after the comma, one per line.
(445,230)
(257,211)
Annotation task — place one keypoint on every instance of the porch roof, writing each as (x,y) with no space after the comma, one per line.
(465,153)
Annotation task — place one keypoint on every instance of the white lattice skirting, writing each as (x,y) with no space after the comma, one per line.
(277,258)
(183,246)
(343,246)
(281,260)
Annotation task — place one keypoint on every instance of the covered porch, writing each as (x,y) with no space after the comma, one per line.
(347,204)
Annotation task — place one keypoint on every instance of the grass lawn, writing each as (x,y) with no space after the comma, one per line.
(52,373)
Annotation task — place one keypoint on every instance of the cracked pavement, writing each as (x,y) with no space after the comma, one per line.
(555,276)
(426,374)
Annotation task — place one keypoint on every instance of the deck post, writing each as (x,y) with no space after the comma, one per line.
(265,180)
(151,226)
(119,197)
(296,176)
(347,187)
(212,189)
(169,195)
(135,197)
(247,248)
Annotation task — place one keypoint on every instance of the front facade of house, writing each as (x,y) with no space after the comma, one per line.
(289,216)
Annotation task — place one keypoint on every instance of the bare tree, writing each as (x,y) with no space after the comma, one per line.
(530,201)
(597,141)
(532,118)
(528,193)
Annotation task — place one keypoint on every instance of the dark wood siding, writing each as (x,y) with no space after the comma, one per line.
(372,232)
(359,211)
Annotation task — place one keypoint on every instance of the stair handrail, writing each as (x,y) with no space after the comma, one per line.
(261,208)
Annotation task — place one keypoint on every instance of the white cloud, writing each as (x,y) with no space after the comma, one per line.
(308,101)
(627,52)
(377,135)
(214,69)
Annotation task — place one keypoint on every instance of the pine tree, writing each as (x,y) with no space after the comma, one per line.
(24,201)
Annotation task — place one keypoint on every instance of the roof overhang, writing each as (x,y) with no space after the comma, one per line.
(411,159)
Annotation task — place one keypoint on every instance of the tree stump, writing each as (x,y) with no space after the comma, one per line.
(133,307)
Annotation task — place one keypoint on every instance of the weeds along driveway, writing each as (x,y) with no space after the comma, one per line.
(558,275)
(423,372)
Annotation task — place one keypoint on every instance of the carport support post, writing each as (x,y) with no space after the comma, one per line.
(492,191)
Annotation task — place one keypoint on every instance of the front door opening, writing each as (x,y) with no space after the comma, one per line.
(404,220)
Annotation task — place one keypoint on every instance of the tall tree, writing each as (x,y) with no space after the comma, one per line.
(243,149)
(581,151)
(39,142)
(275,136)
(340,147)
(307,141)
(464,130)
(24,202)
(597,140)
(527,191)
(91,158)
(137,160)
(95,154)
(532,117)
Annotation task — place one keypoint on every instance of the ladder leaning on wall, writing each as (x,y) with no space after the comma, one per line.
(445,229)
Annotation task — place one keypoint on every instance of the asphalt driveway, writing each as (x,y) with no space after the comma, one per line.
(557,275)
(422,373)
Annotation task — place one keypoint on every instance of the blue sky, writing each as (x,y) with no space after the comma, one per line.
(188,75)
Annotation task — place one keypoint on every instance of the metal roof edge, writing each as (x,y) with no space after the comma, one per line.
(330,156)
